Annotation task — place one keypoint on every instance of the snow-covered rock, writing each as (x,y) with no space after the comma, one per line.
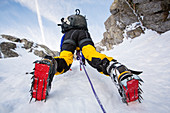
(10,46)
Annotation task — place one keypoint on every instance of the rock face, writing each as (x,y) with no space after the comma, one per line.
(155,14)
(129,18)
(9,45)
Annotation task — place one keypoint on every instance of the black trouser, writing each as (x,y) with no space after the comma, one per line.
(80,38)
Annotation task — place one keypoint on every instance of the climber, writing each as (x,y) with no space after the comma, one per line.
(77,37)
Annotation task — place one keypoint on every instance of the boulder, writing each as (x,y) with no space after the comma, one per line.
(11,38)
(27,44)
(135,33)
(7,49)
(48,51)
(40,53)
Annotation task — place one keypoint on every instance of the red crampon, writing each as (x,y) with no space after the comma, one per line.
(41,79)
(130,90)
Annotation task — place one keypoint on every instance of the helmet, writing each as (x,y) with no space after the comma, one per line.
(76,21)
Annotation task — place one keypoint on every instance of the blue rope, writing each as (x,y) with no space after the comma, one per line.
(94,92)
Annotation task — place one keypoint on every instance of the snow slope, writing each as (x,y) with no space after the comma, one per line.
(71,92)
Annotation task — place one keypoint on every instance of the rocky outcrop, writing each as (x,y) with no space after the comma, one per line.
(27,44)
(48,51)
(11,38)
(10,43)
(129,18)
(7,49)
(155,14)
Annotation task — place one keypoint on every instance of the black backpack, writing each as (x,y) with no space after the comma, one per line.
(76,21)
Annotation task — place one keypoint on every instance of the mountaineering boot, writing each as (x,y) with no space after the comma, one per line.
(42,77)
(127,81)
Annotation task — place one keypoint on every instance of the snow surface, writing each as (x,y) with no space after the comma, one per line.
(71,92)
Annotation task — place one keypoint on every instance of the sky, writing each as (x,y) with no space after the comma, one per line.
(19,18)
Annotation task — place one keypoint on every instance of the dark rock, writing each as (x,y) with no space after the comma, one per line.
(127,16)
(114,11)
(110,22)
(11,38)
(39,53)
(7,45)
(140,1)
(152,19)
(7,49)
(160,27)
(135,33)
(114,8)
(27,44)
(48,51)
(149,8)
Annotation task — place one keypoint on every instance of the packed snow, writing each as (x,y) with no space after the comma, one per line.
(71,91)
